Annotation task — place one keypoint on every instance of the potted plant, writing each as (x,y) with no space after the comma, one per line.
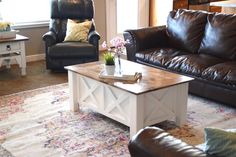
(109,63)
(118,46)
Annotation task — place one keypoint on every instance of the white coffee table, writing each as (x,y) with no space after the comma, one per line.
(157,97)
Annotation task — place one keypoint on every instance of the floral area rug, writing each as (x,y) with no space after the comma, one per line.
(38,123)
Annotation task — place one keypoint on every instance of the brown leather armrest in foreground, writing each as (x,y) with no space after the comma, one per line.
(155,142)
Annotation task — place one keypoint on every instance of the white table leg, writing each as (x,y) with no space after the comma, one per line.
(23,71)
(181,104)
(137,114)
(73,91)
(23,59)
(8,64)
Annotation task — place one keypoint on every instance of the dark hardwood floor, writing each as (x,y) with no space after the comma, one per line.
(37,76)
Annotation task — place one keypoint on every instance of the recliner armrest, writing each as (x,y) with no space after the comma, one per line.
(145,38)
(93,38)
(155,142)
(50,38)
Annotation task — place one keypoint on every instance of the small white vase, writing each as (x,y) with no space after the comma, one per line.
(110,69)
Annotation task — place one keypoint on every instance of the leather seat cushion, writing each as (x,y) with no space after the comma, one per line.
(71,50)
(158,56)
(220,36)
(185,29)
(223,72)
(192,64)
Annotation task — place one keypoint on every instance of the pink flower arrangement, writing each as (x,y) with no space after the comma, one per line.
(117,43)
(118,46)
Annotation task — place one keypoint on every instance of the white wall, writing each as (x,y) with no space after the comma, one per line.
(100,18)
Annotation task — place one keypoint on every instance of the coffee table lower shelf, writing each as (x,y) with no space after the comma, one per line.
(135,111)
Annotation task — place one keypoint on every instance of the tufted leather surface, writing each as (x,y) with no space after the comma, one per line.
(79,9)
(58,50)
(59,27)
(210,65)
(145,38)
(192,64)
(223,72)
(185,29)
(155,142)
(220,36)
(158,56)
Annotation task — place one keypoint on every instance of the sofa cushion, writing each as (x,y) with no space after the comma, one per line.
(185,29)
(223,72)
(220,36)
(192,64)
(71,50)
(158,56)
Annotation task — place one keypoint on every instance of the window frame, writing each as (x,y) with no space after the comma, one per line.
(36,24)
(111,17)
(31,23)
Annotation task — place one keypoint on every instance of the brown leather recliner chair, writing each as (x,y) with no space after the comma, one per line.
(59,53)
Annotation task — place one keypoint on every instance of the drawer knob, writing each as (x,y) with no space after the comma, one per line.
(8,47)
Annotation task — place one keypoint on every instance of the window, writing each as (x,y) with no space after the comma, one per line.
(127,15)
(25,11)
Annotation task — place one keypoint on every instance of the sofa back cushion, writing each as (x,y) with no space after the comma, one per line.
(220,36)
(185,29)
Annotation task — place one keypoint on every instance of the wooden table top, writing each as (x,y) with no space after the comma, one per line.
(17,38)
(152,78)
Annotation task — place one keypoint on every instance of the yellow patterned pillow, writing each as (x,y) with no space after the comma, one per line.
(77,31)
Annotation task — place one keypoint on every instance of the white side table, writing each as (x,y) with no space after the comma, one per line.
(13,49)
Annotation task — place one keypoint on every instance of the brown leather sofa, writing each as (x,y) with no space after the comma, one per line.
(155,142)
(198,44)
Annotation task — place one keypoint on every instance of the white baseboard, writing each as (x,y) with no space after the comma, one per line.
(33,58)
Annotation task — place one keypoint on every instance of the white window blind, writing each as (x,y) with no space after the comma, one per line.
(25,11)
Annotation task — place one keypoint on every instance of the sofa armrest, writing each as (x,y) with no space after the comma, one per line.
(145,38)
(50,38)
(155,142)
(93,38)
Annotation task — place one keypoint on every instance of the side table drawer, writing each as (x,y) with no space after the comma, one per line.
(10,46)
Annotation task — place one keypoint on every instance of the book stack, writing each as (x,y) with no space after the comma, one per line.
(121,76)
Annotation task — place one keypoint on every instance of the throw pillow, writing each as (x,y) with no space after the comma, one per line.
(220,142)
(77,31)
